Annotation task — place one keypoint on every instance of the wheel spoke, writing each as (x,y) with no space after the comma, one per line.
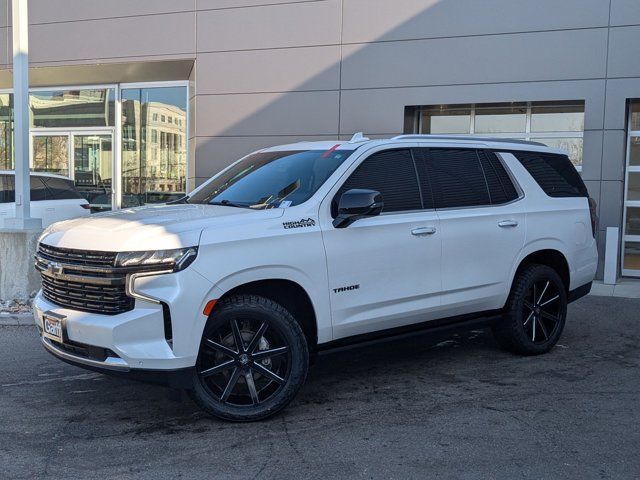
(544,290)
(252,387)
(261,354)
(548,316)
(237,336)
(543,328)
(533,336)
(528,304)
(267,373)
(256,338)
(528,318)
(231,384)
(218,368)
(550,300)
(220,348)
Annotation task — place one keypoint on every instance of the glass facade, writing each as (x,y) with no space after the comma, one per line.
(631,225)
(73,133)
(557,124)
(154,145)
(50,153)
(72,108)
(93,168)
(6,131)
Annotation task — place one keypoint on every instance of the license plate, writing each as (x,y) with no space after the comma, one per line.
(52,328)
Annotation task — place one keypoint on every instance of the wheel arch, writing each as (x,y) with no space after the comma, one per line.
(551,257)
(290,295)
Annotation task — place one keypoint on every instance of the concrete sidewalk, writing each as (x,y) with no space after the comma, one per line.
(625,288)
(16,319)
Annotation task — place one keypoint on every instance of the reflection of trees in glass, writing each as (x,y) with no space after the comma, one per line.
(51,154)
(6,131)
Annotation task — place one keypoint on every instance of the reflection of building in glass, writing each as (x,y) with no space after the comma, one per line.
(72,108)
(153,151)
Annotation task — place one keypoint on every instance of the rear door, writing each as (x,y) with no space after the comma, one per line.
(383,271)
(482,224)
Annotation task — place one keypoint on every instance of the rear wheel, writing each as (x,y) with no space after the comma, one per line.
(535,313)
(253,359)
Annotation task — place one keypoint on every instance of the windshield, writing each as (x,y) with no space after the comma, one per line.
(271,179)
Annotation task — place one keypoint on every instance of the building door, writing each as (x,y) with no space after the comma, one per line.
(84,156)
(631,226)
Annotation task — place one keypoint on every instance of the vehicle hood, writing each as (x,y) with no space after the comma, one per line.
(157,227)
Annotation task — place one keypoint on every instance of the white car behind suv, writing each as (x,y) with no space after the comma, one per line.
(297,248)
(53,198)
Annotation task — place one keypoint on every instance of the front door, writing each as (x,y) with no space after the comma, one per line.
(84,156)
(384,271)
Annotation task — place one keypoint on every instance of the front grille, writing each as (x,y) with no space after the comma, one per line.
(83,280)
(77,257)
(86,296)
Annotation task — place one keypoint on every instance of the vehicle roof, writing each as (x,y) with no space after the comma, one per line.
(35,174)
(464,141)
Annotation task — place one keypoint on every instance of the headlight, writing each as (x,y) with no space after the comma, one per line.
(177,259)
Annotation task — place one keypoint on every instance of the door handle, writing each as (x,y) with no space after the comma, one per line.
(423,231)
(507,223)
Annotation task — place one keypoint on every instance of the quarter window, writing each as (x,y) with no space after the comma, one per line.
(554,173)
(393,174)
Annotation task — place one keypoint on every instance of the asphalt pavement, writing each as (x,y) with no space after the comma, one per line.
(445,406)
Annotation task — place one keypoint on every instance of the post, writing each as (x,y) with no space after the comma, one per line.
(20,24)
(611,256)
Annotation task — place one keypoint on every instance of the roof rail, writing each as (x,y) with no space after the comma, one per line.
(469,138)
(359,137)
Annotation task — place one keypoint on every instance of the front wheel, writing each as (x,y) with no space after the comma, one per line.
(253,359)
(535,312)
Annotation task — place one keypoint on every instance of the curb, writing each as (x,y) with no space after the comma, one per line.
(18,319)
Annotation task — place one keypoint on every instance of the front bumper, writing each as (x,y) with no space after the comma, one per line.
(178,378)
(134,342)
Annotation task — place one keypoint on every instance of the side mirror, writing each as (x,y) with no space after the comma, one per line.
(357,203)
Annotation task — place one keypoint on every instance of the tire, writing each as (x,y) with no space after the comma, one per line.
(253,360)
(535,312)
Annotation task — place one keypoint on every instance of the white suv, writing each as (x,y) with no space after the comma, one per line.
(53,197)
(230,291)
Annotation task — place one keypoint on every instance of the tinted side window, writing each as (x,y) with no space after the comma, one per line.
(60,189)
(501,188)
(393,174)
(555,173)
(456,177)
(7,189)
(38,189)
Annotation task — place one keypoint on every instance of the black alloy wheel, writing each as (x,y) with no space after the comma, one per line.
(535,313)
(253,359)
(541,311)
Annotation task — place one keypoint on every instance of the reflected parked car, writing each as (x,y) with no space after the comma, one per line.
(53,197)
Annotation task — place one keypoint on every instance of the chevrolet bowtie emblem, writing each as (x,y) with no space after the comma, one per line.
(55,268)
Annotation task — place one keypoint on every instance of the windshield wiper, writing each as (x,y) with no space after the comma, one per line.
(184,199)
(228,203)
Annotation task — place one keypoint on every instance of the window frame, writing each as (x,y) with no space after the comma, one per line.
(624,236)
(526,135)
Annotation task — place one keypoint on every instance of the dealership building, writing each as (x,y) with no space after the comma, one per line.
(139,101)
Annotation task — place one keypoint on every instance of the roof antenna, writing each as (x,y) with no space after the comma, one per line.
(358,137)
